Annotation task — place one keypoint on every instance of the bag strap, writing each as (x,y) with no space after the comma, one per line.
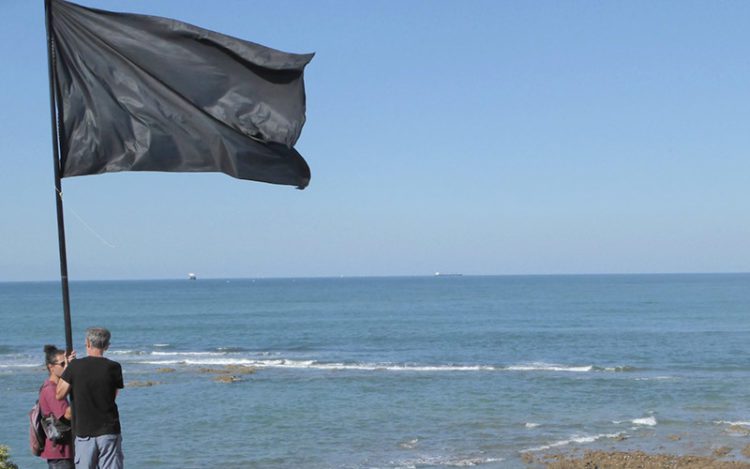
(39,398)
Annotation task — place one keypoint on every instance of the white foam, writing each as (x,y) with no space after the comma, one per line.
(161,345)
(539,366)
(447,462)
(410,444)
(531,425)
(207,361)
(230,358)
(167,354)
(235,357)
(577,439)
(655,378)
(619,369)
(193,359)
(647,421)
(396,367)
(733,424)
(128,352)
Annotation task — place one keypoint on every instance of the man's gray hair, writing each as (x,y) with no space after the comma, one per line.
(98,337)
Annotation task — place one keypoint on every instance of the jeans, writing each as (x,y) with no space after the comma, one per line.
(99,452)
(60,464)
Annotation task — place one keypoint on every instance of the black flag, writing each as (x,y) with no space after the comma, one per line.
(143,93)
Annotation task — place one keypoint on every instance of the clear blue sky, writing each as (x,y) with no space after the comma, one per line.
(481,137)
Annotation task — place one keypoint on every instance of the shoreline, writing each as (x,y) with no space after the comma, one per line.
(726,445)
(591,459)
(728,448)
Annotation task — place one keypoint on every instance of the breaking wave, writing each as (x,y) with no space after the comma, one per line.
(443,461)
(225,359)
(740,423)
(575,439)
(242,356)
(646,421)
(541,366)
(312,364)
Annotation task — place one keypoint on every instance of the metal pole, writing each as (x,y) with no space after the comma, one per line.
(58,184)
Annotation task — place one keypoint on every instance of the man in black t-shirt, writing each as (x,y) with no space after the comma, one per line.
(94,382)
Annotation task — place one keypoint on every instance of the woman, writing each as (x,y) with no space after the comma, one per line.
(58,455)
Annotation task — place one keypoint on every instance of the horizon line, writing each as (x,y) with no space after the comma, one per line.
(363,276)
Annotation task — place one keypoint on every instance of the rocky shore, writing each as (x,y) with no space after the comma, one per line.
(637,460)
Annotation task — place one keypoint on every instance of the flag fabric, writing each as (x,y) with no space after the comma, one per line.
(144,93)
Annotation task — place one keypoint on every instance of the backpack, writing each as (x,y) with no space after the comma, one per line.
(37,437)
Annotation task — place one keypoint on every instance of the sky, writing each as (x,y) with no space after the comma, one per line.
(477,137)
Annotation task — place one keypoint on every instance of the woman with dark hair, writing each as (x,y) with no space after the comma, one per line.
(58,455)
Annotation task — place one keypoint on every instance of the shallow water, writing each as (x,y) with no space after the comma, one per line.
(400,372)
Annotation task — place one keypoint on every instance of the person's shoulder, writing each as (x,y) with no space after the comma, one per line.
(46,385)
(75,363)
(71,369)
(112,363)
(47,392)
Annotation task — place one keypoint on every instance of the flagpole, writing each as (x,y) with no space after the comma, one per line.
(58,183)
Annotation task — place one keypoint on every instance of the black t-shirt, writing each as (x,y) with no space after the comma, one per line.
(94,382)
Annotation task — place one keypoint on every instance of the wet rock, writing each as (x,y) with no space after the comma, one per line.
(741,429)
(641,460)
(528,458)
(229,370)
(722,451)
(239,369)
(141,384)
(227,379)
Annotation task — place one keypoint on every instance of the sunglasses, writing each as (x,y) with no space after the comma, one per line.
(58,363)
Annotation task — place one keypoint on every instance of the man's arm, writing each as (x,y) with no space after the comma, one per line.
(119,384)
(63,388)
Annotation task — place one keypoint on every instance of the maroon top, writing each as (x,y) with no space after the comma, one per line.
(49,405)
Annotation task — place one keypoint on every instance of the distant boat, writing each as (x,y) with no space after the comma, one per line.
(191,276)
(438,274)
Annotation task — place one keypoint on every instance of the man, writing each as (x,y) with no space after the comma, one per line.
(93,382)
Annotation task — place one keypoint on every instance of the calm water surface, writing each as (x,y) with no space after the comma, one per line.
(399,372)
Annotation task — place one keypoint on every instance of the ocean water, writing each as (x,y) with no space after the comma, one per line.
(399,372)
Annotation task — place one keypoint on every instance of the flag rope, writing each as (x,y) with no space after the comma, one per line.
(86,225)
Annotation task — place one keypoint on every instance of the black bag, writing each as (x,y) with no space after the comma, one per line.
(56,430)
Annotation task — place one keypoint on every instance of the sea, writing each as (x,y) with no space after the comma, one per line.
(398,372)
